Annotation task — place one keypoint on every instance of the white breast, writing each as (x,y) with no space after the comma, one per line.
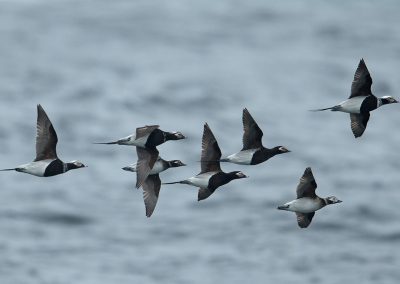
(242,157)
(140,142)
(201,180)
(352,105)
(157,168)
(304,205)
(35,168)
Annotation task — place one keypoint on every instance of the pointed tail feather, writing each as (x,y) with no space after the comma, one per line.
(283,207)
(322,109)
(3,170)
(106,143)
(334,108)
(175,182)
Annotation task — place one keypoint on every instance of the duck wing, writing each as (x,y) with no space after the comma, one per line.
(210,153)
(145,130)
(252,134)
(46,137)
(307,185)
(146,159)
(303,220)
(204,193)
(359,123)
(362,82)
(151,189)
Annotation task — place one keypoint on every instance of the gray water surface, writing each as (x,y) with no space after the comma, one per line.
(102,68)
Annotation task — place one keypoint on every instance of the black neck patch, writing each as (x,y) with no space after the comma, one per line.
(264,154)
(54,168)
(369,104)
(219,179)
(155,138)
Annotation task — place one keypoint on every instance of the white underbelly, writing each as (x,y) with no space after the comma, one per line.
(201,180)
(140,142)
(157,168)
(352,105)
(304,205)
(35,168)
(242,157)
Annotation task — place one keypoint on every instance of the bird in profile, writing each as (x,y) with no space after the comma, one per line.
(150,136)
(46,162)
(211,176)
(152,184)
(253,152)
(307,201)
(146,139)
(361,101)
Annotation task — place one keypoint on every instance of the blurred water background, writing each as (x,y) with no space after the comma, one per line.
(102,68)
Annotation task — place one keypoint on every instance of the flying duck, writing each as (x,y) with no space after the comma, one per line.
(146,139)
(253,152)
(152,184)
(152,138)
(211,176)
(307,201)
(46,162)
(361,101)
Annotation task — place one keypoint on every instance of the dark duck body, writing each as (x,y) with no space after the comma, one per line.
(307,201)
(211,176)
(148,136)
(46,163)
(152,184)
(361,101)
(253,151)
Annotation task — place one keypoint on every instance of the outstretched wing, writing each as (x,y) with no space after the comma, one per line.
(151,190)
(145,130)
(252,134)
(303,220)
(46,137)
(307,185)
(204,193)
(210,153)
(359,123)
(146,159)
(362,82)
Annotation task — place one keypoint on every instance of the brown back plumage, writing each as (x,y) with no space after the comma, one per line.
(210,153)
(46,137)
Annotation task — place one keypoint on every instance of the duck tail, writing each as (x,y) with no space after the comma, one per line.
(283,207)
(106,143)
(175,182)
(334,108)
(3,170)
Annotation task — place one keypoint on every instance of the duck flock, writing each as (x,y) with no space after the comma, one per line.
(150,164)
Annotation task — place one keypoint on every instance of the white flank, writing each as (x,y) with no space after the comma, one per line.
(36,168)
(201,180)
(303,205)
(352,105)
(242,157)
